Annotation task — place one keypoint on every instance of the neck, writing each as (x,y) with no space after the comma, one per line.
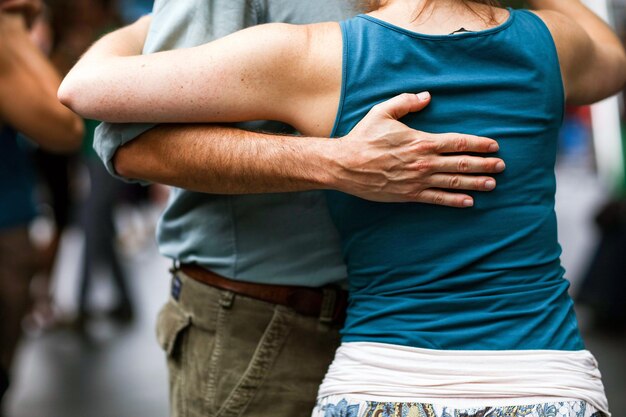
(440,17)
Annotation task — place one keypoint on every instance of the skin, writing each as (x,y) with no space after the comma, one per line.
(233,79)
(28,85)
(381,160)
(593,61)
(29,9)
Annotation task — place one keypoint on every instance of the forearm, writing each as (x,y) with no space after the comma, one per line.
(28,91)
(225,160)
(380,159)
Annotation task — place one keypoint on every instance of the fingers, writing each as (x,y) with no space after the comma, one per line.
(462,182)
(456,142)
(466,165)
(401,105)
(444,198)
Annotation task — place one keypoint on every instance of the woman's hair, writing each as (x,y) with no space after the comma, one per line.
(372,5)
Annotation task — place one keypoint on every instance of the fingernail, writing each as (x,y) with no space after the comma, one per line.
(500,166)
(494,147)
(490,184)
(468,202)
(423,96)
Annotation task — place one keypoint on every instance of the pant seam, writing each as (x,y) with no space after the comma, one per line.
(263,358)
(214,368)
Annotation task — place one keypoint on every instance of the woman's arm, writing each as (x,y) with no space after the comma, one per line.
(270,72)
(592,57)
(28,85)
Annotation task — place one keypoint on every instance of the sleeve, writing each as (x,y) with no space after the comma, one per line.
(179,24)
(109,137)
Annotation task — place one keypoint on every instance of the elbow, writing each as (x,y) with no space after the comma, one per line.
(77,95)
(68,95)
(74,126)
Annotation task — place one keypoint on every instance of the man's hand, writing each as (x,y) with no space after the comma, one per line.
(382,159)
(30,9)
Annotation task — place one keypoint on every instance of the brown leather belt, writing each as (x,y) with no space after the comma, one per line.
(328,303)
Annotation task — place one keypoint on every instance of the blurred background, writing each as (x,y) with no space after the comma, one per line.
(90,348)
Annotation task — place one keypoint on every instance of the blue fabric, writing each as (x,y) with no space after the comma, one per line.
(487,277)
(17,206)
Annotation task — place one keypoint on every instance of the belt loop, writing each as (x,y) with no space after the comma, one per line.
(175,266)
(226,299)
(329,302)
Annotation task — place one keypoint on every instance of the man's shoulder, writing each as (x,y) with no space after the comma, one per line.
(304,12)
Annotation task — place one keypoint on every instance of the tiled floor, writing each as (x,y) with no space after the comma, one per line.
(120,371)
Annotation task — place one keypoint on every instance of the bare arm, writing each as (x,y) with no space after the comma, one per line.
(28,85)
(381,160)
(592,57)
(232,79)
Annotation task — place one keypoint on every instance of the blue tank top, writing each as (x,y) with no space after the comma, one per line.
(17,205)
(483,278)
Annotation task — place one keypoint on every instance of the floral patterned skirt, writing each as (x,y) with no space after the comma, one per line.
(344,406)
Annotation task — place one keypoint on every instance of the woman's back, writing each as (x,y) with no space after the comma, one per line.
(484,278)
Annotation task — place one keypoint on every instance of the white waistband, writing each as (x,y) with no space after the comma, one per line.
(400,372)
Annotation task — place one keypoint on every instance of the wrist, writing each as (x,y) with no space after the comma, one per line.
(346,169)
(322,164)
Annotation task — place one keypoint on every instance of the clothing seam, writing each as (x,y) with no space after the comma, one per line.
(214,360)
(443,38)
(260,12)
(263,358)
(344,77)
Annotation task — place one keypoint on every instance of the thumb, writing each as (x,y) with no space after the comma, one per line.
(400,106)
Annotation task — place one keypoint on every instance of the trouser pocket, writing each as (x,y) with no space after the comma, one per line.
(220,352)
(256,361)
(173,326)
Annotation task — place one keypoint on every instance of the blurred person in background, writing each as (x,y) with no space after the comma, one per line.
(54,182)
(28,104)
(97,222)
(92,19)
(603,288)
(72,25)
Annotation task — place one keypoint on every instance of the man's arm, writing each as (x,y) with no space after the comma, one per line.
(592,57)
(28,85)
(380,160)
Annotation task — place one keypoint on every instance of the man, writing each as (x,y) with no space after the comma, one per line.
(28,104)
(253,320)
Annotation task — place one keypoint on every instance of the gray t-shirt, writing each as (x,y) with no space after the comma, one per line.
(269,238)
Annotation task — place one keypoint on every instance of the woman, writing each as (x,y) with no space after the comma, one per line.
(451,313)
